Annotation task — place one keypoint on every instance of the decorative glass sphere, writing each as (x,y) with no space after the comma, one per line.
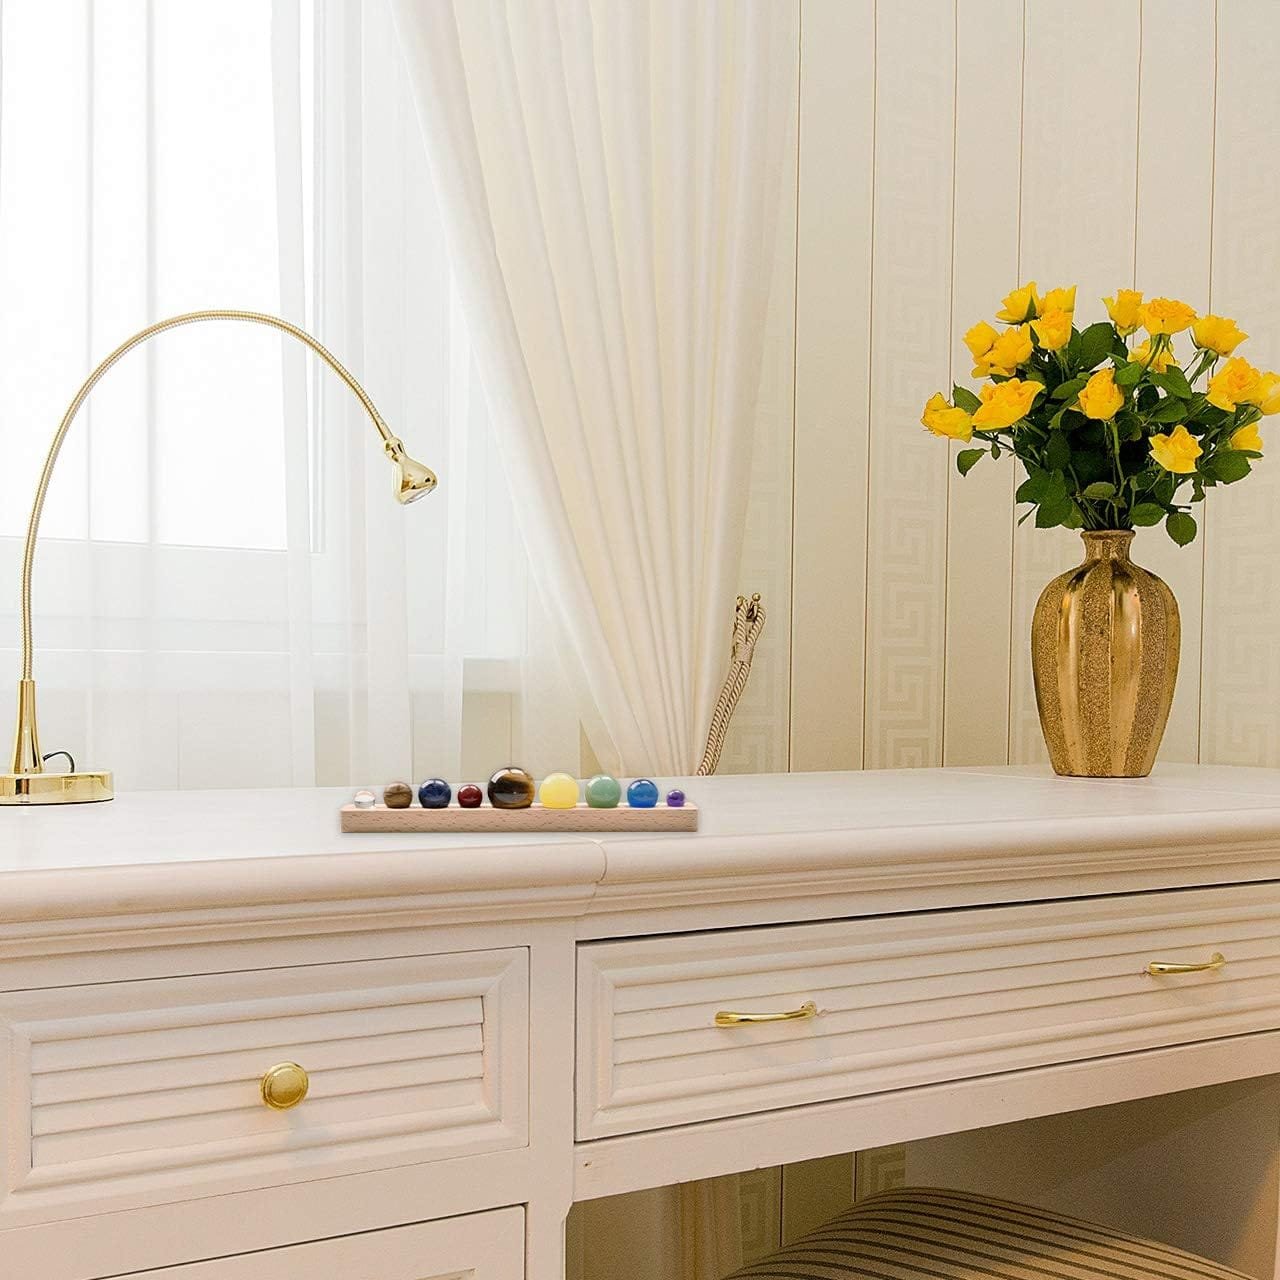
(675,798)
(470,796)
(558,791)
(604,792)
(397,795)
(511,788)
(435,793)
(642,794)
(364,799)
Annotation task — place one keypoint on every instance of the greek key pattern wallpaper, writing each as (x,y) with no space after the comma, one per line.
(939,166)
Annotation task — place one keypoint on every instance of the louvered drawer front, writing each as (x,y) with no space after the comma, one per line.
(480,1246)
(909,1000)
(155,1087)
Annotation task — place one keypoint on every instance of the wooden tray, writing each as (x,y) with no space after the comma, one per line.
(457,820)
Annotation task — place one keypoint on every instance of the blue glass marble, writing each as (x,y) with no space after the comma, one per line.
(642,794)
(435,793)
(675,798)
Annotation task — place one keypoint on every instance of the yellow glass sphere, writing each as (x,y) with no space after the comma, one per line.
(558,791)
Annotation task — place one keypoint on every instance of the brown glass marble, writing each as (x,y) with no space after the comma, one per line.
(397,795)
(511,788)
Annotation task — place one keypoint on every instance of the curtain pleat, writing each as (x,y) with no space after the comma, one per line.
(610,178)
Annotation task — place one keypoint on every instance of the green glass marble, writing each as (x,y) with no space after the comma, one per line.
(604,792)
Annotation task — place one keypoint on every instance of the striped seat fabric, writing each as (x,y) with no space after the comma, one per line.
(921,1234)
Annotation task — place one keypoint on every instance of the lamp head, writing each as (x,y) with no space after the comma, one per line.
(413,480)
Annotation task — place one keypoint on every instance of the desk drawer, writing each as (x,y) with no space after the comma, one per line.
(909,1000)
(479,1246)
(135,1092)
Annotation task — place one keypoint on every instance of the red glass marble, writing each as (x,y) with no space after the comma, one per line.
(470,796)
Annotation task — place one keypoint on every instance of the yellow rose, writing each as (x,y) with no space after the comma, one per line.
(1004,403)
(1159,363)
(943,419)
(1021,305)
(1008,351)
(1053,329)
(1217,333)
(1125,310)
(1247,437)
(1266,395)
(1100,397)
(1058,300)
(1177,451)
(1166,315)
(1236,382)
(980,339)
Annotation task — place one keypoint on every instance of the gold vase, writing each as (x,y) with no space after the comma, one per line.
(1104,653)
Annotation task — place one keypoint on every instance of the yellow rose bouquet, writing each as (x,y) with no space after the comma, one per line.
(1113,433)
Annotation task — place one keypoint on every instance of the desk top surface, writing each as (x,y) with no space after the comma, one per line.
(747,823)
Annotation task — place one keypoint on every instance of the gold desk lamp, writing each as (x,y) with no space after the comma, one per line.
(28,783)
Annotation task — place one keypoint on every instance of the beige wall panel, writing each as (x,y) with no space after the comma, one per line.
(833,334)
(1079,151)
(814,1192)
(758,740)
(989,37)
(910,340)
(1175,144)
(1240,698)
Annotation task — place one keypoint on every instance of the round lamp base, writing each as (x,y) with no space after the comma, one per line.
(55,788)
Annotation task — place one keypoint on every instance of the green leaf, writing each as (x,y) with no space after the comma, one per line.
(1100,490)
(1227,465)
(1170,409)
(1129,425)
(967,459)
(964,399)
(1165,487)
(1054,512)
(1057,452)
(1095,344)
(1033,488)
(1067,390)
(1127,375)
(1146,513)
(1174,381)
(1181,527)
(1075,519)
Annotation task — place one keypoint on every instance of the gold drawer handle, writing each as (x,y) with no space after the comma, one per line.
(728,1018)
(284,1086)
(1157,968)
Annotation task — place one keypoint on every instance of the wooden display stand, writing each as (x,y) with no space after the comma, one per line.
(458,821)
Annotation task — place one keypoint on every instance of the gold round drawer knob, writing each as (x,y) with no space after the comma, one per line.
(284,1086)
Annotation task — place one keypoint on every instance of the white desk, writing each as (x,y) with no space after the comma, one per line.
(974,942)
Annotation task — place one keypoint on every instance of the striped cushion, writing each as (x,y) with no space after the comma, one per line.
(921,1234)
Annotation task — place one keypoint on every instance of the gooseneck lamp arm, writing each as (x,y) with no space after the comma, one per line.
(28,783)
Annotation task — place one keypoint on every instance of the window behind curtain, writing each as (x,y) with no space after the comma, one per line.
(226,594)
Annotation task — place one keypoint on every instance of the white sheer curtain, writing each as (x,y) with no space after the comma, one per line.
(610,176)
(226,594)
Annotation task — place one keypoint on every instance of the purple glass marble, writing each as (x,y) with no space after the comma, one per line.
(675,798)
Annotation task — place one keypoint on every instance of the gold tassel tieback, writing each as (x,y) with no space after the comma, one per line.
(748,623)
